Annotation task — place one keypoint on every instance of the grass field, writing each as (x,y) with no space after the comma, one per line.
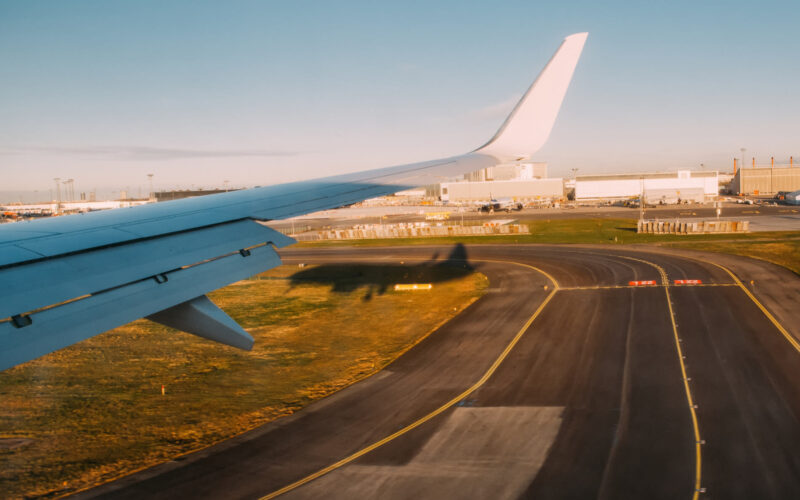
(565,231)
(779,247)
(88,413)
(785,252)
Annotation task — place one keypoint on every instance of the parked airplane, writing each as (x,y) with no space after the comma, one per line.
(500,204)
(66,279)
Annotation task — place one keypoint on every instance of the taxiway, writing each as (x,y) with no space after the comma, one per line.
(561,382)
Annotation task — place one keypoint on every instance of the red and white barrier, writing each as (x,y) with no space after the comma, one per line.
(642,283)
(688,282)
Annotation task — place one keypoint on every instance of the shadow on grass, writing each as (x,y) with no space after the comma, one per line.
(378,278)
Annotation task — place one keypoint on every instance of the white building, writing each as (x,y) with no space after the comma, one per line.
(666,187)
(70,206)
(509,172)
(518,190)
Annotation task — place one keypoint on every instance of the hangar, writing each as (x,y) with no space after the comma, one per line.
(666,187)
(518,190)
(765,180)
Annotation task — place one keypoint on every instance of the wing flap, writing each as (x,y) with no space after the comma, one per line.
(53,281)
(67,324)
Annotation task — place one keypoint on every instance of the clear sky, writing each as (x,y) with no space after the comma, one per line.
(258,92)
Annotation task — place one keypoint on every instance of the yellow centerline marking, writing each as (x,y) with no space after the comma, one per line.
(444,407)
(698,455)
(702,284)
(613,287)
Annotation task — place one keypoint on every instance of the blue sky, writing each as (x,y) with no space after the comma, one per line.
(257,93)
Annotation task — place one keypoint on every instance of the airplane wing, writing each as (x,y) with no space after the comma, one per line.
(65,279)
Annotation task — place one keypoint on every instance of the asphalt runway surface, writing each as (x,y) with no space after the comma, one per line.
(563,381)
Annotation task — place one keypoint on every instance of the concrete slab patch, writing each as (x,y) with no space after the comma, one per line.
(492,452)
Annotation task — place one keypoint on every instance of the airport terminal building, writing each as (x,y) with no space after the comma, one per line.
(657,187)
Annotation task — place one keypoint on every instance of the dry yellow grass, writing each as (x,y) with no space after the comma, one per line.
(785,253)
(94,411)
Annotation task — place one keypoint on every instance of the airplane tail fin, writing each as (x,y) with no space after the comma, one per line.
(458,257)
(528,126)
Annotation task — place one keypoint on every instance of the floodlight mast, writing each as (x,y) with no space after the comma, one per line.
(58,193)
(641,198)
(574,185)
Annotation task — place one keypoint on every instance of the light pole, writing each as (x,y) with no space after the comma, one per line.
(641,198)
(574,186)
(771,171)
(58,192)
(150,181)
(152,195)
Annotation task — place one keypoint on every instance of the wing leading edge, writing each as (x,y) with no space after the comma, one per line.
(69,278)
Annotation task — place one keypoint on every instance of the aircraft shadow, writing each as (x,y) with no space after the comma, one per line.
(378,278)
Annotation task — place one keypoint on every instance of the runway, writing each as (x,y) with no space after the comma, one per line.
(562,382)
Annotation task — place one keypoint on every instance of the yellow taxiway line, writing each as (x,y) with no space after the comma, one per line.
(698,453)
(613,287)
(486,376)
(788,336)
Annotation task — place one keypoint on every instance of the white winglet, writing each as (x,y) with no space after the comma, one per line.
(528,126)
